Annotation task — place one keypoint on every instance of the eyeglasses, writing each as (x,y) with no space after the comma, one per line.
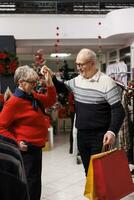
(31,82)
(82,64)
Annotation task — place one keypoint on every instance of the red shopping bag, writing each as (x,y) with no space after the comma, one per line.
(90,190)
(112,177)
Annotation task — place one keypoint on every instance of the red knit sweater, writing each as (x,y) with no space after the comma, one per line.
(19,121)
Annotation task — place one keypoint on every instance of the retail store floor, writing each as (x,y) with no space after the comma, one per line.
(62,178)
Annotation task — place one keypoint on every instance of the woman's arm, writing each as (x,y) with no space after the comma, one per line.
(47,99)
(6,119)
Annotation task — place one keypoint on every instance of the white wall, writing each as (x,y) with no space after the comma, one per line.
(70,26)
(44,26)
(118,22)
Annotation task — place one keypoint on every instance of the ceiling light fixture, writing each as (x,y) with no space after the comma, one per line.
(60,55)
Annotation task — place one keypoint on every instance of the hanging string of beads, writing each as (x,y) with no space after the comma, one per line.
(57,47)
(99,51)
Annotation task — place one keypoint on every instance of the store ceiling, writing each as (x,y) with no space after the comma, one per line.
(63,6)
(27,48)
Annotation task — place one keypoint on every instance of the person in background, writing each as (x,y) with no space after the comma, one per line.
(23,120)
(71,114)
(71,137)
(99,112)
(65,69)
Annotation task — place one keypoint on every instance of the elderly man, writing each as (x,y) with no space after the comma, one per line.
(99,112)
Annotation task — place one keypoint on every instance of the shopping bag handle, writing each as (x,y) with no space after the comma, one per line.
(107,148)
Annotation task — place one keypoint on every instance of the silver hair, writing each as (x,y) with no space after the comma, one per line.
(25,73)
(88,54)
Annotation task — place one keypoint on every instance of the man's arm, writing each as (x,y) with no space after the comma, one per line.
(59,85)
(117,111)
(117,117)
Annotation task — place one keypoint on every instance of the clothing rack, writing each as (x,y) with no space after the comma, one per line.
(120,73)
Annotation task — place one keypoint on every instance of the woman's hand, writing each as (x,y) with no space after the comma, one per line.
(45,69)
(23,146)
(47,73)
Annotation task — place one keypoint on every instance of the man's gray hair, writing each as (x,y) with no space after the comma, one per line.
(25,73)
(88,54)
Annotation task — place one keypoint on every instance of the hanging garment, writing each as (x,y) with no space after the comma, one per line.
(118,71)
(12,175)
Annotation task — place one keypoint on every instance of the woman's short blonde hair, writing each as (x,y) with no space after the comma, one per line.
(25,73)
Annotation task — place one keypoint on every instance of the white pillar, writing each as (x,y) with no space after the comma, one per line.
(132,60)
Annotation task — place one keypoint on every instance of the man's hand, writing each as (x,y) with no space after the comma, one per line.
(109,139)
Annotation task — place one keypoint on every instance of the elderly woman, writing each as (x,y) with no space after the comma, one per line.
(22,119)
